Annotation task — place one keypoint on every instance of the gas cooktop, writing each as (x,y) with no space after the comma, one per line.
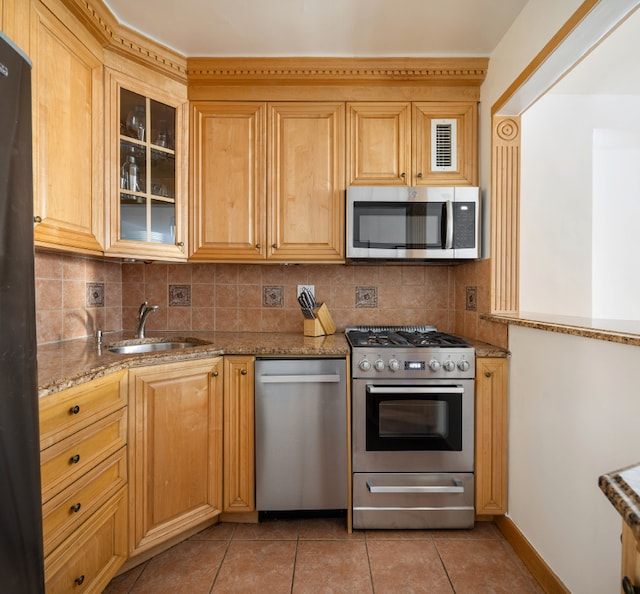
(402,336)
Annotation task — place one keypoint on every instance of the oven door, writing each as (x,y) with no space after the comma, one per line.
(413,426)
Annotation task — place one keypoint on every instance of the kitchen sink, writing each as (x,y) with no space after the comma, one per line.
(132,347)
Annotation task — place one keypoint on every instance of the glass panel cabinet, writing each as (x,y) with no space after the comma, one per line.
(148,174)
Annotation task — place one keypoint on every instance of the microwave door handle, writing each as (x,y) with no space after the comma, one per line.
(448,242)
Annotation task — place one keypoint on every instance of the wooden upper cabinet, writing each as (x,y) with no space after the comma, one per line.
(306,182)
(68,135)
(294,212)
(444,144)
(146,132)
(228,181)
(414,144)
(378,143)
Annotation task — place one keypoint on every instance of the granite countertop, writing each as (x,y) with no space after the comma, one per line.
(622,331)
(62,365)
(622,488)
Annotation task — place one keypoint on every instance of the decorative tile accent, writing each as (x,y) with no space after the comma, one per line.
(366,296)
(95,294)
(272,296)
(179,295)
(472,299)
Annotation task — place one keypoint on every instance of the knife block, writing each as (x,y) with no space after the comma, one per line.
(313,327)
(322,323)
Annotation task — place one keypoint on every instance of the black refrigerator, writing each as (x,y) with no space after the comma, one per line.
(21,556)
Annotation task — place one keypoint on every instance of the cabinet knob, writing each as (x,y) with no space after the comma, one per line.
(180,244)
(76,508)
(274,246)
(74,410)
(403,175)
(215,374)
(74,459)
(244,372)
(79,580)
(628,587)
(419,176)
(487,374)
(37,219)
(258,246)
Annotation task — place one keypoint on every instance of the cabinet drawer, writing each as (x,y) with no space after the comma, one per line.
(66,412)
(62,514)
(70,458)
(91,556)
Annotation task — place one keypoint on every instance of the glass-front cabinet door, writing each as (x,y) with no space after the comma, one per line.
(148,172)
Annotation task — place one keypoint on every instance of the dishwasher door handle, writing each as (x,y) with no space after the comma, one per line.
(457,487)
(332,378)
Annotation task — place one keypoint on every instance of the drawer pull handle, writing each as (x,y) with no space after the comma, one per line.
(74,459)
(74,410)
(75,508)
(79,580)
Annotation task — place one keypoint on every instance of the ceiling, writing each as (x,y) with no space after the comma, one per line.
(329,28)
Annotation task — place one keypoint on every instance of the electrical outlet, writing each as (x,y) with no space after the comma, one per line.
(310,288)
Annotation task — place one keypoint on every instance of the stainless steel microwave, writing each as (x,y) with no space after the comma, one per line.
(421,223)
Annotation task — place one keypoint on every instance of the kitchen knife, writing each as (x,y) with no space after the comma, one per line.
(307,311)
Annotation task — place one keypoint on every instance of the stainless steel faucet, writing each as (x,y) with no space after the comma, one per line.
(143,314)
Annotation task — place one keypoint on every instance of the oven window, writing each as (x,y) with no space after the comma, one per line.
(398,422)
(398,225)
(413,418)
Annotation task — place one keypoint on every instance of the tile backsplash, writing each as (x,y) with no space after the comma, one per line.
(77,295)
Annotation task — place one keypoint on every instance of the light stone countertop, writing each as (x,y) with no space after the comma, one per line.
(622,488)
(64,364)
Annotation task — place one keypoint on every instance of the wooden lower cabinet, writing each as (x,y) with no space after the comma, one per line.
(83,432)
(175,450)
(239,458)
(630,556)
(491,435)
(92,555)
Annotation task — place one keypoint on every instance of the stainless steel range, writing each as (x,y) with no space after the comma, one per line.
(412,428)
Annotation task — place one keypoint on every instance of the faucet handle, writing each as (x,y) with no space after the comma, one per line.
(142,309)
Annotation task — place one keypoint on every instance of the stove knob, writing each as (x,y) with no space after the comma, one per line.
(463,365)
(365,365)
(394,364)
(434,365)
(379,365)
(449,365)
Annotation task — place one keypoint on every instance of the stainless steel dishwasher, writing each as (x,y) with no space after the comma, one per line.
(301,434)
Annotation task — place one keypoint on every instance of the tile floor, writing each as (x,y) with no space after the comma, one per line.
(312,556)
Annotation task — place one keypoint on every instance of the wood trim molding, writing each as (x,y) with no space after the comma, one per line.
(449,71)
(545,52)
(549,581)
(96,17)
(505,214)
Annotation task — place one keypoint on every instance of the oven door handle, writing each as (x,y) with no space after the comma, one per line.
(415,390)
(457,487)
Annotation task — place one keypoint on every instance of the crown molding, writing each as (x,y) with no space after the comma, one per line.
(436,71)
(96,17)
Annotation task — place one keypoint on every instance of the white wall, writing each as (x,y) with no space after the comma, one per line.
(616,214)
(574,402)
(573,416)
(580,206)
